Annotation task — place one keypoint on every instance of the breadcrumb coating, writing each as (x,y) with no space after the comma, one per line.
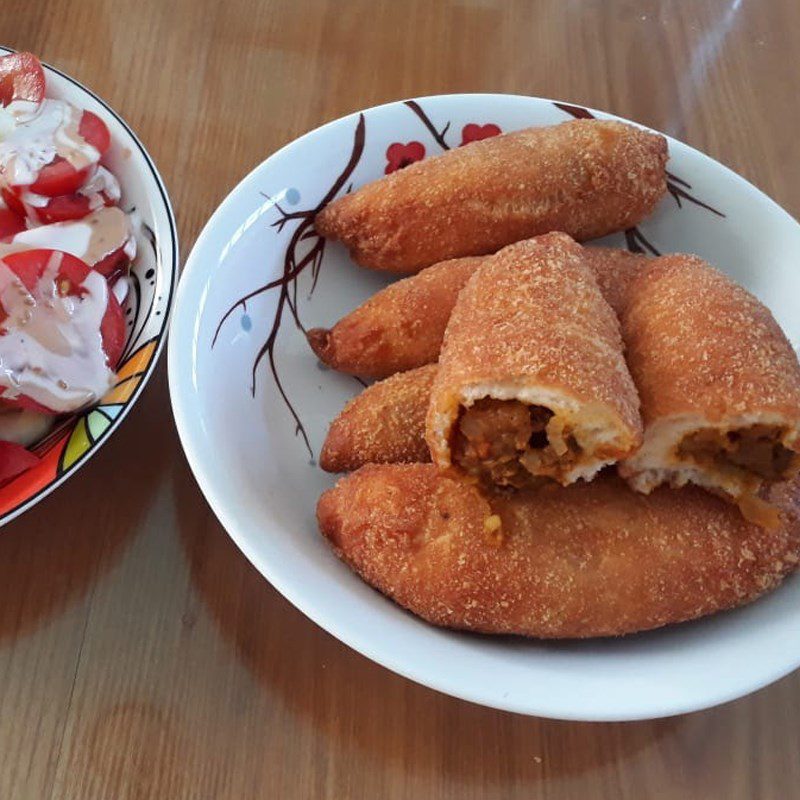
(384,424)
(697,342)
(615,270)
(588,560)
(399,328)
(402,326)
(587,178)
(532,319)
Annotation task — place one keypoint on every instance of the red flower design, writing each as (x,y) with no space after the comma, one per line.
(474,132)
(400,155)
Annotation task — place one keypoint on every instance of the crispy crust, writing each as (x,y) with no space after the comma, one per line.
(589,560)
(399,328)
(532,319)
(703,352)
(384,424)
(402,326)
(585,177)
(615,270)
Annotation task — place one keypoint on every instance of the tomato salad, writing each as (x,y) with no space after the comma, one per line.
(65,252)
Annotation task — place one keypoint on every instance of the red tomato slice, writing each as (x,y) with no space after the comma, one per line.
(14,460)
(10,223)
(95,132)
(64,207)
(30,265)
(60,177)
(112,331)
(21,78)
(13,202)
(113,265)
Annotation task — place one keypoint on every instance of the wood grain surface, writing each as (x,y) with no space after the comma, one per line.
(140,655)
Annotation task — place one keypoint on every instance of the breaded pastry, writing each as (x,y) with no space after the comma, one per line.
(532,382)
(593,559)
(585,177)
(383,424)
(399,328)
(402,326)
(719,384)
(615,271)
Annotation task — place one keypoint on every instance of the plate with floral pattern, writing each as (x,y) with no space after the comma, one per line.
(75,438)
(252,405)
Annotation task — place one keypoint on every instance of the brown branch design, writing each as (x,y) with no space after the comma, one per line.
(438,135)
(304,250)
(637,243)
(674,184)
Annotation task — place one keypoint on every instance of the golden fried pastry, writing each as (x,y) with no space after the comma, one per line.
(399,328)
(402,326)
(719,384)
(594,559)
(614,271)
(585,177)
(383,424)
(532,381)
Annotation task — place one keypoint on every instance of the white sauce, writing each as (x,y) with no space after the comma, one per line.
(7,122)
(101,181)
(34,200)
(71,237)
(41,132)
(121,288)
(90,239)
(52,351)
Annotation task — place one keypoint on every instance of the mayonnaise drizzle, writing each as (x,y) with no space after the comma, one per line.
(41,132)
(101,181)
(52,351)
(90,239)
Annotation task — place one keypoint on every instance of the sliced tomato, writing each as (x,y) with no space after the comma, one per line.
(13,202)
(63,208)
(29,266)
(112,331)
(14,460)
(10,223)
(113,265)
(95,132)
(59,177)
(21,78)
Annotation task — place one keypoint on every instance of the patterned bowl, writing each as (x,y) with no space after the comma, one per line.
(154,276)
(252,406)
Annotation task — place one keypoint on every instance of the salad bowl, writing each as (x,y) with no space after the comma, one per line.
(74,438)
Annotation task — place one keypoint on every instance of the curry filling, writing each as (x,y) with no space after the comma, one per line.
(507,443)
(748,455)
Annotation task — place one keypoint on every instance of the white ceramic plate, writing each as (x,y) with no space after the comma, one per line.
(154,275)
(254,459)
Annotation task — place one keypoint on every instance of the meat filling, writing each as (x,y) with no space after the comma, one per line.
(506,443)
(756,451)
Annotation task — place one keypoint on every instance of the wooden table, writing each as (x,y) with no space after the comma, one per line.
(140,655)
